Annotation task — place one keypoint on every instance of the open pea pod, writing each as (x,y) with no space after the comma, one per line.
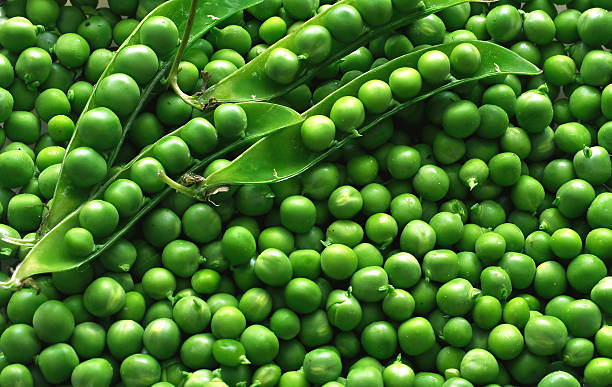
(208,14)
(250,82)
(282,155)
(50,253)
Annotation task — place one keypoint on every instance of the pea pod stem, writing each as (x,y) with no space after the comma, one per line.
(174,70)
(185,190)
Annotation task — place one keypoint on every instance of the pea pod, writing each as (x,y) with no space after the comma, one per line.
(283,155)
(251,83)
(50,253)
(209,13)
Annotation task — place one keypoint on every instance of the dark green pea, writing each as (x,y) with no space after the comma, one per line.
(561,111)
(123,29)
(447,149)
(316,329)
(528,51)
(469,265)
(427,30)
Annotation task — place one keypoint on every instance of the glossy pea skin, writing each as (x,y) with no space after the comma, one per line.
(533,111)
(318,133)
(505,341)
(53,322)
(161,34)
(566,243)
(417,238)
(465,59)
(434,66)
(405,82)
(545,335)
(138,61)
(314,42)
(282,66)
(479,366)
(302,295)
(140,370)
(550,280)
(16,374)
(503,23)
(578,351)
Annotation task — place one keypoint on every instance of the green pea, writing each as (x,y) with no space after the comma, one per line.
(550,279)
(496,282)
(303,295)
(465,59)
(582,318)
(344,22)
(506,341)
(527,194)
(415,336)
(490,247)
(434,66)
(417,238)
(282,66)
(427,30)
(398,305)
(16,374)
(405,82)
(456,297)
(566,243)
(578,351)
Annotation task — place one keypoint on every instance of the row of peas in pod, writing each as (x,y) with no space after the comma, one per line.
(313,43)
(375,96)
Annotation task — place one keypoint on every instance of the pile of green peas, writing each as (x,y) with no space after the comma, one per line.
(471,234)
